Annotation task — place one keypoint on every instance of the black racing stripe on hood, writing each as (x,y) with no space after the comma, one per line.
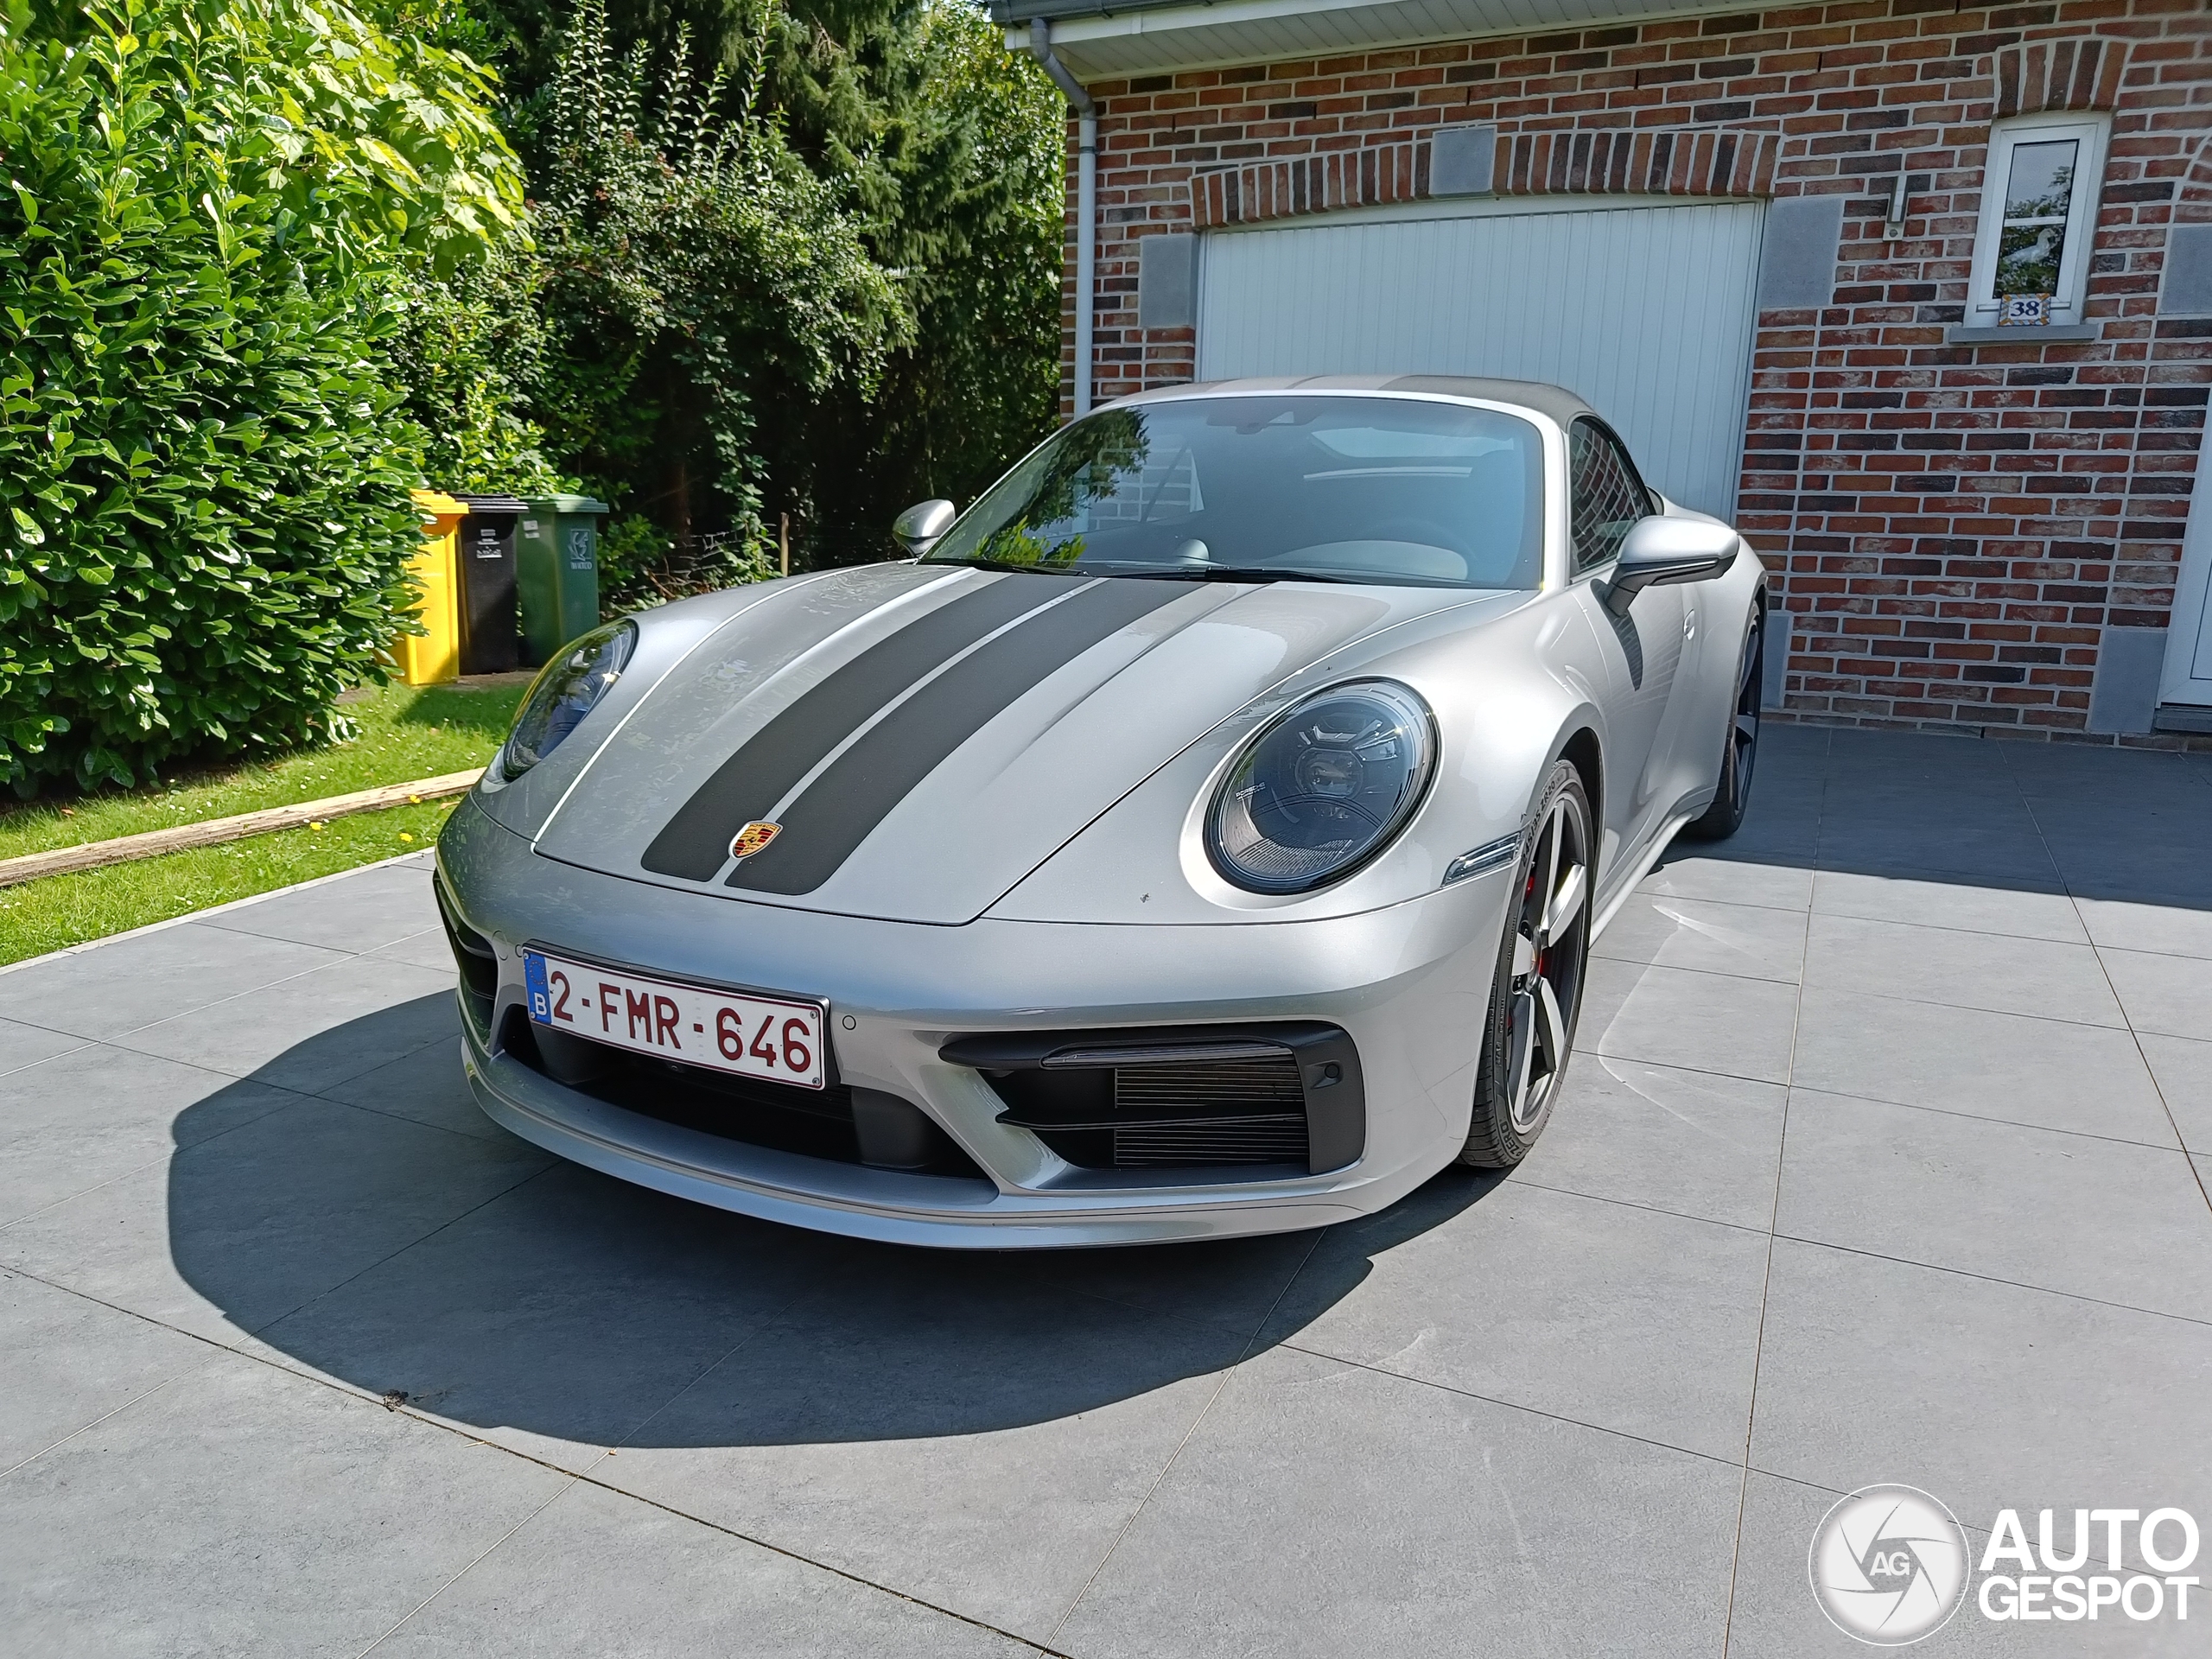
(857,791)
(695,844)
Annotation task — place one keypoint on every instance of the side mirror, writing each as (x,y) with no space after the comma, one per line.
(1659,552)
(917,528)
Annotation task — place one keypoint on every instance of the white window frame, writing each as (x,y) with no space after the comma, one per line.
(2092,132)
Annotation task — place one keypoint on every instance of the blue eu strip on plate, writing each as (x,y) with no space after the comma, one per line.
(541,999)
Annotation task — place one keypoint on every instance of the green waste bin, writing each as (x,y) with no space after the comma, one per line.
(557,572)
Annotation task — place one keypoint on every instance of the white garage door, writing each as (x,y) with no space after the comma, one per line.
(1646,310)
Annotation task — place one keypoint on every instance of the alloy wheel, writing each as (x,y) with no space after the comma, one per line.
(1743,731)
(1551,942)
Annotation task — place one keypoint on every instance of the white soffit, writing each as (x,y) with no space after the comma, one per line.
(1161,39)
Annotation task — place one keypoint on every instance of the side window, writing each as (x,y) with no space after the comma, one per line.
(2038,219)
(1606,498)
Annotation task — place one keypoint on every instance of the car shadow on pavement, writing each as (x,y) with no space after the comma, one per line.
(388,1235)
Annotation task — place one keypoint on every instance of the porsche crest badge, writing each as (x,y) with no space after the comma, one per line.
(751,839)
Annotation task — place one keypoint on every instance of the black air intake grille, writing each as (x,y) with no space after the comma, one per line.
(813,1122)
(1163,1113)
(473,956)
(1208,1112)
(1236,1141)
(1240,1085)
(1276,1097)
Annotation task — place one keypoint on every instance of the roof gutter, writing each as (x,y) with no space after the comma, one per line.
(1086,199)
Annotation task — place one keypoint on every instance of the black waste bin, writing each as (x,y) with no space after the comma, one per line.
(485,554)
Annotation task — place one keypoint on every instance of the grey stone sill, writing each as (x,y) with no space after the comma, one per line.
(1959,334)
(2181,717)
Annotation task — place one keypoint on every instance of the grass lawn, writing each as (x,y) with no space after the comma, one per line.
(64,909)
(405,732)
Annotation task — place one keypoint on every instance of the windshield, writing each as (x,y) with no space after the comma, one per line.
(1330,489)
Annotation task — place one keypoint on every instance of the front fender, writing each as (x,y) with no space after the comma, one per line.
(1509,693)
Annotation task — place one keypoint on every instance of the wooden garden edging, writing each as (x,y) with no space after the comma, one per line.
(92,856)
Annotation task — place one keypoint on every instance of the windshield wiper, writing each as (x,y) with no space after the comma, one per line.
(1224,572)
(1008,565)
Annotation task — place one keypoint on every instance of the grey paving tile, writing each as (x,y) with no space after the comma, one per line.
(2069,771)
(1999,1066)
(2184,1070)
(428,949)
(940,1423)
(86,1117)
(1960,970)
(1324,1509)
(1928,844)
(1773,1615)
(21,1045)
(237,1229)
(1671,1016)
(558,1317)
(1686,1142)
(1922,808)
(66,1362)
(1754,941)
(1770,835)
(428,1086)
(246,1511)
(315,1031)
(1231,1282)
(1624,1319)
(128,984)
(370,909)
(2143,812)
(1977,907)
(2170,870)
(1928,757)
(2034,1206)
(2171,996)
(1986,1395)
(594,1573)
(1786,746)
(1784,885)
(2174,930)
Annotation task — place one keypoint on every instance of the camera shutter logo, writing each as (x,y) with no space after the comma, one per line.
(1889,1565)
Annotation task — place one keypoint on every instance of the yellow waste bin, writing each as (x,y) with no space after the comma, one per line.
(434,657)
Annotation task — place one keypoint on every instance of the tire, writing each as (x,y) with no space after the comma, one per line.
(1536,990)
(1740,751)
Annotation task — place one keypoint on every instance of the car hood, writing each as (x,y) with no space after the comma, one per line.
(924,737)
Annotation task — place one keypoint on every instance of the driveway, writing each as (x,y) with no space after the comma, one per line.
(1875,1168)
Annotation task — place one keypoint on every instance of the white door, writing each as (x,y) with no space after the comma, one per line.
(1644,308)
(2187,678)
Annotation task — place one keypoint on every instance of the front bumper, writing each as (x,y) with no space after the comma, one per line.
(1410,984)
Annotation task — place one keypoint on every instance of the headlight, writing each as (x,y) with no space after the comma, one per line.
(1322,789)
(564,692)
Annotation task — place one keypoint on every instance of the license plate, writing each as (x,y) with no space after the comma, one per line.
(752,1036)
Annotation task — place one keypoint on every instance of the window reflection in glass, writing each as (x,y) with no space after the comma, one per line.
(1604,501)
(1329,488)
(2031,242)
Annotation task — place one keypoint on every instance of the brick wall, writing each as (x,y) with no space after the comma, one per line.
(1952,526)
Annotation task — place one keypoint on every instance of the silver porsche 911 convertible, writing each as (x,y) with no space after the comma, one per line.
(1203,833)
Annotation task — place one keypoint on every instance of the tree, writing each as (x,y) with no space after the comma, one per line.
(203,474)
(957,149)
(700,283)
(947,151)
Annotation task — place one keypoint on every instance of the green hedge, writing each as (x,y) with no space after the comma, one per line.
(207,207)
